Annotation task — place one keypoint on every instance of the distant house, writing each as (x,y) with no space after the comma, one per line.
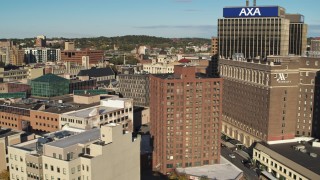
(100,74)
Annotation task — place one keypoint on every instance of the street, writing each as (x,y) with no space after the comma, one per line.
(249,174)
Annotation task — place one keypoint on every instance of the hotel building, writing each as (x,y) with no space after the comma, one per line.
(185,118)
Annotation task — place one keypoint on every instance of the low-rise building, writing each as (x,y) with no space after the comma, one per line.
(111,110)
(290,159)
(10,137)
(102,153)
(49,85)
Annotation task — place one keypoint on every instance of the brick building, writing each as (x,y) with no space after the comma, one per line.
(185,118)
(75,56)
(268,100)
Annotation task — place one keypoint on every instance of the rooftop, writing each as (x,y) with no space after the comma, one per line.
(81,138)
(97,72)
(50,78)
(176,76)
(289,152)
(92,111)
(7,132)
(215,171)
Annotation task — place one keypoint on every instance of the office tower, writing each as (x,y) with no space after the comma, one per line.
(68,46)
(101,153)
(268,100)
(185,112)
(42,55)
(214,45)
(41,41)
(257,32)
(297,34)
(315,44)
(135,86)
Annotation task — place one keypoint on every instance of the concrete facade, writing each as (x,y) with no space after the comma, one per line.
(107,153)
(111,110)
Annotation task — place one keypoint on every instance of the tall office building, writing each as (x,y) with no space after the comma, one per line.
(260,31)
(185,118)
(268,100)
(297,34)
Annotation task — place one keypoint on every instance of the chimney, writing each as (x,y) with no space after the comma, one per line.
(254,2)
(247,3)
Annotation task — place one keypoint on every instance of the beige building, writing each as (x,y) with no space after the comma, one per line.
(86,99)
(8,138)
(69,46)
(21,74)
(159,68)
(107,153)
(111,110)
(296,159)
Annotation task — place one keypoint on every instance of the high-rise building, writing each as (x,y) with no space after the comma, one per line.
(315,44)
(42,55)
(257,32)
(214,45)
(185,112)
(268,100)
(135,86)
(297,34)
(41,41)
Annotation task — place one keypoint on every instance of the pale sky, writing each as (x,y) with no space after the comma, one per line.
(163,18)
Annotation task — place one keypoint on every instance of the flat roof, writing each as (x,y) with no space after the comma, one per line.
(85,112)
(215,171)
(7,132)
(81,138)
(287,151)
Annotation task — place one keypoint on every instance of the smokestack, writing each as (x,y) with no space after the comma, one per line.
(247,3)
(254,2)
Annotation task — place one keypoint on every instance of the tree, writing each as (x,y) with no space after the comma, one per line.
(4,175)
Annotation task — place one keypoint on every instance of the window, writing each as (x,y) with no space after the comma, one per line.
(169,166)
(64,171)
(58,169)
(73,170)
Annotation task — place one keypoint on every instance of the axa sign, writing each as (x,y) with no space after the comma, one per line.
(250,12)
(241,12)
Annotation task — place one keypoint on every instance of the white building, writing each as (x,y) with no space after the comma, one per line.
(42,55)
(111,110)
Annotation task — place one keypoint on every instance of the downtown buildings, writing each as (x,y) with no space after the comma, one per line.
(261,31)
(101,153)
(268,95)
(185,117)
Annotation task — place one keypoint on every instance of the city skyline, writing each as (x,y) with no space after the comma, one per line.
(168,18)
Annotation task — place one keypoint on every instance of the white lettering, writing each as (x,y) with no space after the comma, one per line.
(257,11)
(243,11)
(250,12)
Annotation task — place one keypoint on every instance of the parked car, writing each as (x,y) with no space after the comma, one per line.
(232,156)
(247,163)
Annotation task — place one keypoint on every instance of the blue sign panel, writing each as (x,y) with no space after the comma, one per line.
(241,12)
